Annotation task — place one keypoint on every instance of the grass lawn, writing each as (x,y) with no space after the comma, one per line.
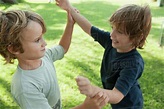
(84,56)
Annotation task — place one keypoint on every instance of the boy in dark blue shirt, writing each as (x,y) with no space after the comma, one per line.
(120,70)
(122,65)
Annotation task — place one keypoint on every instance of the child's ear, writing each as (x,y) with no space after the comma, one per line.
(11,50)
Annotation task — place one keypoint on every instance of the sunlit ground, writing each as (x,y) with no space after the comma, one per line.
(84,56)
(112,1)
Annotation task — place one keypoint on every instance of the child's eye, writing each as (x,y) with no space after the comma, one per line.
(120,32)
(37,40)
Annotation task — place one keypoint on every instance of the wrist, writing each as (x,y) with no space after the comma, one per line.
(81,106)
(70,24)
(94,91)
(69,9)
(72,10)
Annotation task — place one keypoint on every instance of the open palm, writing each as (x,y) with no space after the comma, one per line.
(64,4)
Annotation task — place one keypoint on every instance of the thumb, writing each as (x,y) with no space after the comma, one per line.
(78,78)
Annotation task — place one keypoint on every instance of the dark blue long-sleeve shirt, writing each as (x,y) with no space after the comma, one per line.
(120,70)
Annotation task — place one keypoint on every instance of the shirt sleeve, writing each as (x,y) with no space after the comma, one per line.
(33,100)
(55,53)
(101,36)
(128,78)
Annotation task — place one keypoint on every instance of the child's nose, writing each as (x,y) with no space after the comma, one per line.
(112,34)
(44,43)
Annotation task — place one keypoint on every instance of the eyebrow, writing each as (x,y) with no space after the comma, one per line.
(32,40)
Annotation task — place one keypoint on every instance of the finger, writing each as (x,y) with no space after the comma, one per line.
(81,78)
(85,93)
(57,0)
(83,87)
(100,99)
(84,90)
(103,100)
(57,3)
(83,83)
(98,95)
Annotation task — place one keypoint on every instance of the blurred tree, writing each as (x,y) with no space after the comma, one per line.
(1,1)
(162,35)
(9,1)
(160,3)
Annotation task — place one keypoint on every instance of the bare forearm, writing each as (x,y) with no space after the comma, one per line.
(81,106)
(81,20)
(115,96)
(67,36)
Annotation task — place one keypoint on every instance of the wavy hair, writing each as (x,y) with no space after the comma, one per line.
(135,21)
(11,25)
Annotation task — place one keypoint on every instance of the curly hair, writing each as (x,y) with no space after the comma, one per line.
(135,21)
(11,25)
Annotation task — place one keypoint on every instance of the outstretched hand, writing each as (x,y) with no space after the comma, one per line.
(98,97)
(64,4)
(84,86)
(96,102)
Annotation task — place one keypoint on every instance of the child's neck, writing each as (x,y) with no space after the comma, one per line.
(125,50)
(30,64)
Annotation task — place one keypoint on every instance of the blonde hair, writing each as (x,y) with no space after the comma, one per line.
(135,21)
(11,25)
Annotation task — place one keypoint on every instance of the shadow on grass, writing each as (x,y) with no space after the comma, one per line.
(6,86)
(85,70)
(55,18)
(152,81)
(5,6)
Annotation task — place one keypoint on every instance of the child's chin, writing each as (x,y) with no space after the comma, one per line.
(114,45)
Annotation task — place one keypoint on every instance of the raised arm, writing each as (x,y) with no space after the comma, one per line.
(80,20)
(67,35)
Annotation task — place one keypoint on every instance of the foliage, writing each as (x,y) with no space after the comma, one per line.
(11,1)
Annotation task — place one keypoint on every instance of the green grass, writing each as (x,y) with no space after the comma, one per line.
(84,56)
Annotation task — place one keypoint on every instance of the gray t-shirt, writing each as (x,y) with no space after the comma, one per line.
(38,89)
